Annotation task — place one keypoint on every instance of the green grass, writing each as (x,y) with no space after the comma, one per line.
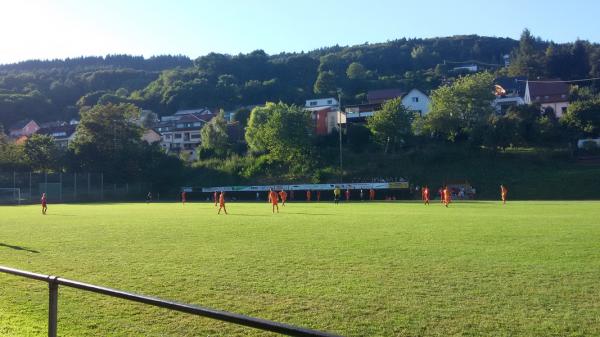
(381,269)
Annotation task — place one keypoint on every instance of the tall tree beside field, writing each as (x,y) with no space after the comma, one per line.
(457,110)
(528,59)
(41,153)
(214,134)
(391,127)
(281,131)
(108,141)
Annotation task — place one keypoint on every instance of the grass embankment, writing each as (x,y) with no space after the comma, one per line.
(535,174)
(361,269)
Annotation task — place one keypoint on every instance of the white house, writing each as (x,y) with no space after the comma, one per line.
(417,101)
(322,102)
(549,94)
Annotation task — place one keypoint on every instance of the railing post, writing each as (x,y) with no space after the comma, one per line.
(52,307)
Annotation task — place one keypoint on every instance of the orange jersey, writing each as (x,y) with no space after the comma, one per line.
(222,199)
(273,197)
(426,194)
(447,195)
(283,195)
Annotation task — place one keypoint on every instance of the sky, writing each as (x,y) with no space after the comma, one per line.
(49,29)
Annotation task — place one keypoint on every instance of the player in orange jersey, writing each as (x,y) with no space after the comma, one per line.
(503,193)
(308,195)
(447,196)
(425,195)
(183,197)
(371,194)
(347,194)
(283,196)
(274,199)
(222,202)
(44,204)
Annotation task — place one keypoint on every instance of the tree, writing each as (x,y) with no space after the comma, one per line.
(41,152)
(356,71)
(283,132)
(458,109)
(325,84)
(107,140)
(527,60)
(391,127)
(214,134)
(583,117)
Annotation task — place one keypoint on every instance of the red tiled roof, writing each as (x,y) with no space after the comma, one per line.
(548,92)
(379,96)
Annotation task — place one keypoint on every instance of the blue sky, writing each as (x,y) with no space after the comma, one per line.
(43,29)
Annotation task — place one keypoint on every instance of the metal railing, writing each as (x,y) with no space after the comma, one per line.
(257,323)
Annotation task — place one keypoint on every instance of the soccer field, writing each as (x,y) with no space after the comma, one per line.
(358,269)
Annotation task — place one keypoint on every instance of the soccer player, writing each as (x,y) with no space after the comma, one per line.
(318,195)
(148,197)
(447,196)
(183,197)
(283,196)
(503,193)
(336,195)
(441,192)
(347,194)
(215,197)
(44,204)
(222,202)
(425,195)
(308,195)
(362,195)
(371,194)
(274,198)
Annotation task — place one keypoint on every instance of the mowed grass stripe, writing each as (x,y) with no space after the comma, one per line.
(358,269)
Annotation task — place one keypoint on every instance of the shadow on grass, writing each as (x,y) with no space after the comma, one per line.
(19,248)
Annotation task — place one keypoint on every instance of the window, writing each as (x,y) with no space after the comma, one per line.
(546,97)
(564,109)
(563,96)
(329,101)
(177,136)
(195,136)
(180,125)
(313,103)
(197,124)
(186,136)
(168,136)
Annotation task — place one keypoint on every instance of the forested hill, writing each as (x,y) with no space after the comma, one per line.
(58,89)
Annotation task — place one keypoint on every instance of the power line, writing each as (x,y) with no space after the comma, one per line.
(474,61)
(560,81)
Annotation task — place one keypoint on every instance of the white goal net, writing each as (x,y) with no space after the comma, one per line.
(10,196)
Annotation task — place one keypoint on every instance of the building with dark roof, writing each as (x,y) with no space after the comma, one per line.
(25,127)
(549,95)
(62,135)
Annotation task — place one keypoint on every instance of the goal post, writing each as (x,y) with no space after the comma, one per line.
(10,196)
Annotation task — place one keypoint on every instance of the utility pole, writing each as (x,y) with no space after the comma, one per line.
(340,132)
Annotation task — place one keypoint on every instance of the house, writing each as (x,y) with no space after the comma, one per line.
(469,68)
(550,94)
(358,113)
(181,131)
(63,135)
(509,91)
(326,114)
(417,101)
(150,136)
(25,127)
